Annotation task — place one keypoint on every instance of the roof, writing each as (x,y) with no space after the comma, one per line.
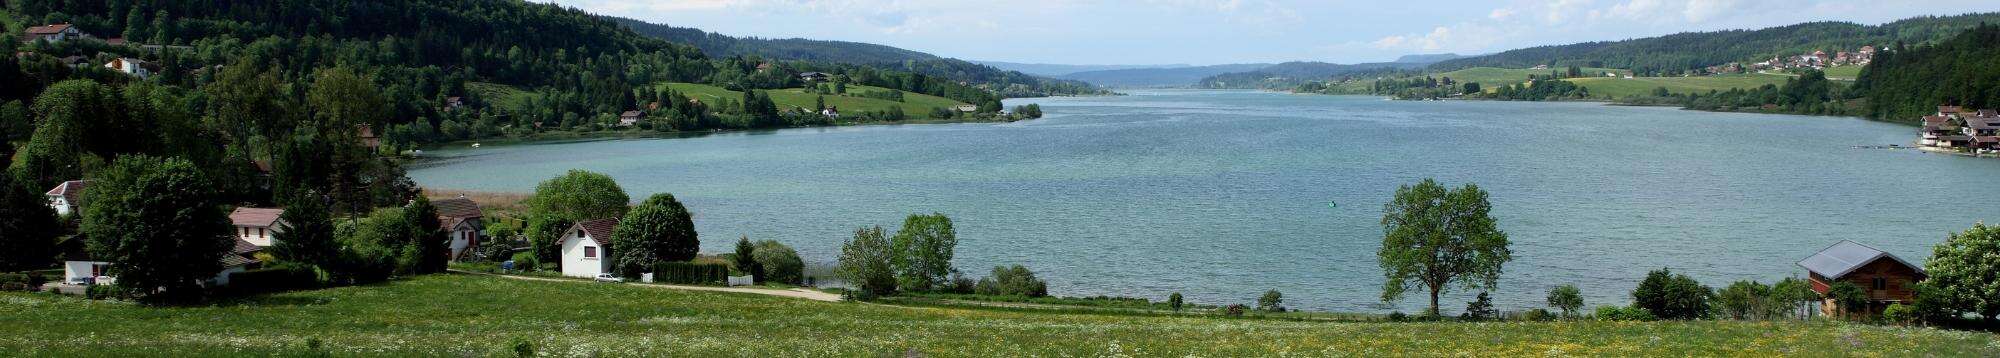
(1948,109)
(630,114)
(47,29)
(599,230)
(366,131)
(1937,119)
(454,211)
(1846,256)
(255,217)
(244,247)
(70,190)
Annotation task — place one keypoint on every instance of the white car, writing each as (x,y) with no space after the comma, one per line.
(608,278)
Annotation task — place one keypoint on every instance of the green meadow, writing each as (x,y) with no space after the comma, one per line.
(466,315)
(1620,87)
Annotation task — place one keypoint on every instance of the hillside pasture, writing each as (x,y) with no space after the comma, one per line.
(1622,87)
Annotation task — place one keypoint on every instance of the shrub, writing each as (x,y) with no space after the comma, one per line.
(1398,316)
(16,282)
(1744,300)
(1847,297)
(691,273)
(1012,281)
(1538,315)
(1235,310)
(523,348)
(782,264)
(1900,314)
(524,261)
(1566,298)
(1174,301)
(1670,296)
(961,284)
(1271,301)
(101,292)
(1617,313)
(1479,309)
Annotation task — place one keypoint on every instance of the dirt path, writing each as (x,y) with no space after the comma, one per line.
(793,293)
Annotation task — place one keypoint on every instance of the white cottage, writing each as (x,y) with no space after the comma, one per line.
(256,225)
(462,220)
(67,197)
(51,33)
(129,66)
(82,270)
(586,248)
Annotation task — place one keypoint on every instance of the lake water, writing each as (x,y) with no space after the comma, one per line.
(1222,195)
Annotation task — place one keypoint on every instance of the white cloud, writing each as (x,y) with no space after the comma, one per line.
(1501,14)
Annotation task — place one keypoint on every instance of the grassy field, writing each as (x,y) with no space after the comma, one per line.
(1489,78)
(1848,73)
(1621,87)
(463,315)
(914,104)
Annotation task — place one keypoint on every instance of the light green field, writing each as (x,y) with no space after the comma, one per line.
(1848,73)
(914,104)
(502,96)
(1491,77)
(1621,87)
(483,316)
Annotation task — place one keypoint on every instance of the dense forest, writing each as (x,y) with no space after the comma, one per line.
(1679,53)
(1291,75)
(1005,83)
(1906,84)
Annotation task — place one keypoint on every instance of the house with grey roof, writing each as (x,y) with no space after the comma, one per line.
(1885,277)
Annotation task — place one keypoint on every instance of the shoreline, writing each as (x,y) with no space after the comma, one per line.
(574,136)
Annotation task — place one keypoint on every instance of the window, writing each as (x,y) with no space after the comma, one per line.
(589,252)
(1880,284)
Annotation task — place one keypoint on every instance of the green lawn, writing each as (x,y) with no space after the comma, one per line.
(914,104)
(1621,87)
(1848,73)
(463,315)
(1489,78)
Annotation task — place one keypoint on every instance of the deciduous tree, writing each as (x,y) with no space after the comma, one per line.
(865,263)
(923,252)
(156,221)
(1965,271)
(1434,237)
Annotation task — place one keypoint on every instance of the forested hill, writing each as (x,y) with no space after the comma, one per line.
(1678,53)
(1002,82)
(720,45)
(1904,84)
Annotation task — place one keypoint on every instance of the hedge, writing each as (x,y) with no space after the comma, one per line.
(20,281)
(273,279)
(691,273)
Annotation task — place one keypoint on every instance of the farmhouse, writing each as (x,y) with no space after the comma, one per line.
(461,220)
(51,33)
(630,118)
(586,248)
(130,66)
(1886,278)
(255,225)
(67,197)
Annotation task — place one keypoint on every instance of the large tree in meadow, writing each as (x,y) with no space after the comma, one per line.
(1965,271)
(28,227)
(923,251)
(157,222)
(1434,237)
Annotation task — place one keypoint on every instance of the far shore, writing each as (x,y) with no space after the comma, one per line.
(633,133)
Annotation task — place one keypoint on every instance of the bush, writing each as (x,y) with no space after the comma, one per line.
(273,279)
(1566,298)
(691,273)
(1479,309)
(1847,297)
(1616,313)
(1744,300)
(1670,296)
(1900,314)
(19,282)
(782,264)
(1012,281)
(524,261)
(101,292)
(1538,315)
(1398,316)
(1235,310)
(961,284)
(1174,300)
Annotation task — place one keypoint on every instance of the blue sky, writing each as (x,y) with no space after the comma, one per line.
(1236,31)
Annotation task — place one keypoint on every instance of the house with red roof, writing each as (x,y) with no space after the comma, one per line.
(462,220)
(67,197)
(586,248)
(256,225)
(51,33)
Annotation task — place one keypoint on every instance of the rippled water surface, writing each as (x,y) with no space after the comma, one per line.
(1221,195)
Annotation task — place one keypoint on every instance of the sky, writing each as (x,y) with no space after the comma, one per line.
(1203,32)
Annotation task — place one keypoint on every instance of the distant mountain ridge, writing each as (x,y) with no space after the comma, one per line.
(1060,70)
(1158,77)
(1677,53)
(1292,74)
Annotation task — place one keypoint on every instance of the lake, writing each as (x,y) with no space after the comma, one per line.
(1221,195)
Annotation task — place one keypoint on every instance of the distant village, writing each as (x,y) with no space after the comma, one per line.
(1816,60)
(57,33)
(1955,129)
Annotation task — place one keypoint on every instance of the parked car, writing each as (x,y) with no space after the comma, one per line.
(608,278)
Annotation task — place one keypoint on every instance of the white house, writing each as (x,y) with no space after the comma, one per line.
(130,66)
(630,118)
(255,225)
(82,270)
(461,220)
(67,197)
(967,108)
(586,248)
(51,33)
